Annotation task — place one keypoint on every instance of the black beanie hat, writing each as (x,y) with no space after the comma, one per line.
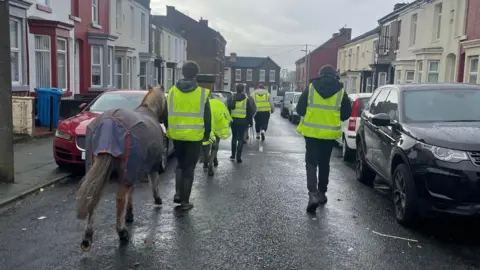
(327,71)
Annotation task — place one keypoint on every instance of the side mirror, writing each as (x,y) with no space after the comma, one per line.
(82,106)
(381,120)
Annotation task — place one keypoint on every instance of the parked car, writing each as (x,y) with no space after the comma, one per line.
(350,126)
(284,111)
(292,108)
(423,141)
(69,141)
(277,101)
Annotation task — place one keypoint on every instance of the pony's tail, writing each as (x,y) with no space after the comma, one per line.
(89,192)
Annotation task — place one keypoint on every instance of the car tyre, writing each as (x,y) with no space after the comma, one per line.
(164,163)
(348,154)
(364,173)
(404,196)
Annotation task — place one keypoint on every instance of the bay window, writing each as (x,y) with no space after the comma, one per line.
(97,68)
(118,73)
(419,71)
(62,63)
(15,52)
(43,62)
(128,74)
(409,76)
(473,70)
(433,71)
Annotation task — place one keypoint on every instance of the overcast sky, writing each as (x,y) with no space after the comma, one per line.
(280,28)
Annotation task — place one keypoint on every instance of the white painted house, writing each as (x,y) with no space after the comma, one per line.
(173,51)
(134,63)
(430,41)
(50,45)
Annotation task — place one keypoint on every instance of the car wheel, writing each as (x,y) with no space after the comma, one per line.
(347,153)
(364,173)
(404,196)
(164,163)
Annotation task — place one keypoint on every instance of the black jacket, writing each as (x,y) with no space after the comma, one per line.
(251,108)
(326,87)
(188,86)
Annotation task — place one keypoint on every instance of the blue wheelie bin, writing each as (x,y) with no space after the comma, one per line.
(48,106)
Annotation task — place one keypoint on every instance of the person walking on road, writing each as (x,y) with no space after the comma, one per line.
(188,125)
(241,109)
(323,107)
(249,96)
(264,103)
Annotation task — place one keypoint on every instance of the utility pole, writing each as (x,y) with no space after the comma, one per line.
(306,66)
(7,172)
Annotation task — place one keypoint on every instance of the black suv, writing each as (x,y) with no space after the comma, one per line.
(424,143)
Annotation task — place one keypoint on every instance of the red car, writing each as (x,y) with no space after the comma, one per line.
(69,142)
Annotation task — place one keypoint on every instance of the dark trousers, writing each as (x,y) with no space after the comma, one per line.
(317,155)
(187,154)
(239,127)
(261,121)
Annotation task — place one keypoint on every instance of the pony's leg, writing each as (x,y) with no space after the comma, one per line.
(211,158)
(88,234)
(122,199)
(154,180)
(129,215)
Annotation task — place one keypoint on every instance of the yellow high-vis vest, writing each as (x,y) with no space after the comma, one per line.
(185,114)
(220,121)
(322,119)
(262,102)
(240,110)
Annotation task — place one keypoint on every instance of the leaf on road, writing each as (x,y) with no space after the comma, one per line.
(42,217)
(395,237)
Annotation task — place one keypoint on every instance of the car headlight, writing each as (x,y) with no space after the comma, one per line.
(62,135)
(445,154)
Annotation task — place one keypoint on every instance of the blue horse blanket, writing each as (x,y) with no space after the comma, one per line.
(134,136)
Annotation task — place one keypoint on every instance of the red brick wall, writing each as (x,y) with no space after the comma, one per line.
(473,20)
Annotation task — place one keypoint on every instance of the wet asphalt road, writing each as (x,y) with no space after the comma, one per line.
(248,216)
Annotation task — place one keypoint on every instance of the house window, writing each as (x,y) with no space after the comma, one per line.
(353,86)
(438,21)
(272,76)
(419,71)
(132,17)
(42,62)
(262,75)
(433,68)
(238,75)
(118,73)
(128,74)
(169,78)
(409,76)
(386,38)
(61,63)
(155,77)
(473,70)
(369,85)
(43,2)
(110,66)
(142,27)
(398,77)
(97,69)
(15,53)
(413,30)
(95,11)
(143,75)
(119,15)
(249,75)
(382,78)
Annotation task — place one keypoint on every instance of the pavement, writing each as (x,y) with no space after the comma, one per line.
(248,216)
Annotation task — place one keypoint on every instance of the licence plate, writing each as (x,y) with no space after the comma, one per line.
(83,155)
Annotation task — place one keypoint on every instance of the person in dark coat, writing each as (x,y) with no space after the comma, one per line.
(318,149)
(241,121)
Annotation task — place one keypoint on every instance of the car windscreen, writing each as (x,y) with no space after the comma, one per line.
(296,98)
(455,105)
(111,101)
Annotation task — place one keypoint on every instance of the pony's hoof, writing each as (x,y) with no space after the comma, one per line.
(158,201)
(86,245)
(124,236)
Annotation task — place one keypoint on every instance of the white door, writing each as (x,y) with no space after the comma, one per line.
(77,67)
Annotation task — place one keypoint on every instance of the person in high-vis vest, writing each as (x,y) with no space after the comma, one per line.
(189,124)
(264,103)
(323,106)
(250,98)
(242,110)
(221,120)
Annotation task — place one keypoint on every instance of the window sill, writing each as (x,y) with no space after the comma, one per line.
(44,8)
(96,26)
(20,88)
(74,18)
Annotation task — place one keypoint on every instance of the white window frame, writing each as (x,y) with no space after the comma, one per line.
(110,66)
(238,75)
(144,75)
(95,11)
(271,76)
(48,59)
(118,72)
(118,15)
(65,53)
(132,27)
(398,77)
(473,74)
(419,72)
(413,30)
(434,72)
(97,65)
(438,21)
(143,27)
(43,2)
(409,81)
(261,77)
(249,75)
(128,73)
(17,51)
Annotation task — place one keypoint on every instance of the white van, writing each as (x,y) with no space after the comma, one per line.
(286,103)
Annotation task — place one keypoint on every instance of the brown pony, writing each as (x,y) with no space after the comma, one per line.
(127,143)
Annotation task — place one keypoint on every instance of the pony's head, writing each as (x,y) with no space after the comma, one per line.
(155,100)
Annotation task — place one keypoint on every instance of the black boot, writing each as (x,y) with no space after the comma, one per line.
(215,162)
(322,198)
(185,197)
(239,153)
(313,202)
(178,186)
(234,150)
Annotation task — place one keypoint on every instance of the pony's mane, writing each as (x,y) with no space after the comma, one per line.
(154,100)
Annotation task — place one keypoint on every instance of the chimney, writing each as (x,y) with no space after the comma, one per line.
(335,34)
(233,57)
(398,6)
(204,22)
(170,9)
